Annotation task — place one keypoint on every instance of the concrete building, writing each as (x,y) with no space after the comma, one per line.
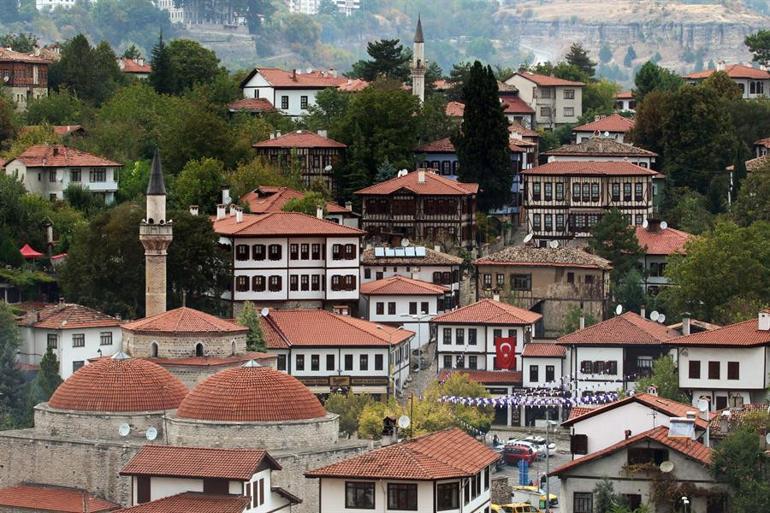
(401,301)
(48,169)
(517,110)
(543,364)
(315,154)
(548,281)
(614,126)
(137,68)
(328,352)
(310,7)
(453,475)
(753,82)
(625,101)
(268,198)
(24,77)
(658,244)
(418,63)
(555,101)
(291,92)
(75,333)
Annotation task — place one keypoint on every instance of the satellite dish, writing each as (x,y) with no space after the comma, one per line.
(553,244)
(703,405)
(151,433)
(606,134)
(767,438)
(124,429)
(404,422)
(654,315)
(662,318)
(663,225)
(6,78)
(265,312)
(666,467)
(645,224)
(528,237)
(618,309)
(404,242)
(328,168)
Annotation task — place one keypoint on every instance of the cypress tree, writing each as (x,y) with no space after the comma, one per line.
(11,380)
(482,143)
(162,76)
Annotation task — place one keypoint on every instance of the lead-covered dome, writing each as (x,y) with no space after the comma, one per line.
(250,394)
(119,384)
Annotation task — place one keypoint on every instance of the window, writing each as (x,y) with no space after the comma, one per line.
(97,175)
(550,373)
(293,282)
(536,222)
(303,102)
(576,192)
(447,496)
(694,369)
(638,192)
(241,252)
(258,252)
(348,362)
(105,338)
(500,280)
(293,252)
(378,362)
(578,444)
(424,307)
(337,252)
(304,252)
(487,280)
(316,252)
(460,336)
(379,308)
(594,192)
(363,362)
(639,219)
(713,370)
(274,251)
(733,370)
(626,191)
(559,191)
(447,361)
(638,455)
(78,340)
(412,308)
(536,191)
(548,191)
(521,282)
(350,251)
(586,367)
(437,277)
(548,218)
(299,363)
(545,112)
(75,175)
(284,102)
(274,284)
(304,282)
(281,362)
(533,373)
(77,364)
(315,282)
(569,112)
(615,191)
(460,361)
(402,496)
(472,362)
(447,336)
(611,367)
(569,94)
(241,283)
(583,502)
(391,308)
(258,283)
(359,495)
(471,336)
(586,191)
(315,362)
(559,222)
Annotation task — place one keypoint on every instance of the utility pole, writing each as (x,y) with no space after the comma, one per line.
(547,461)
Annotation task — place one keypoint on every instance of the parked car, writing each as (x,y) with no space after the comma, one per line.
(538,450)
(514,507)
(512,454)
(540,443)
(533,494)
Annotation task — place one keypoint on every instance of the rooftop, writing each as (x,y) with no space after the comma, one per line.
(8,55)
(134,66)
(51,498)
(489,311)
(757,163)
(518,128)
(547,81)
(454,109)
(200,462)
(591,168)
(443,455)
(733,71)
(544,350)
(445,146)
(400,256)
(353,85)
(321,328)
(515,105)
(400,285)
(611,123)
(486,377)
(655,241)
(193,502)
(300,139)
(624,95)
(254,105)
(296,79)
(267,198)
(67,316)
(740,334)
(184,320)
(281,224)
(628,328)
(433,185)
(531,256)
(57,155)
(600,147)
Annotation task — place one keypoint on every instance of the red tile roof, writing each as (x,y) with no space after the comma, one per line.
(690,448)
(255,105)
(279,78)
(763,142)
(441,146)
(522,130)
(300,139)
(544,350)
(281,224)
(313,328)
(547,81)
(193,502)
(68,316)
(443,455)
(626,329)
(51,498)
(577,411)
(611,123)
(8,55)
(250,394)
(489,311)
(591,168)
(184,320)
(531,256)
(624,95)
(755,163)
(434,185)
(353,85)
(400,285)
(454,109)
(599,146)
(133,66)
(272,199)
(741,334)
(668,407)
(662,242)
(119,385)
(174,461)
(486,377)
(213,361)
(515,105)
(57,155)
(733,71)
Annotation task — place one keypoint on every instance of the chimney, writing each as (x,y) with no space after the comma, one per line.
(764,320)
(323,133)
(421,176)
(721,66)
(349,205)
(685,323)
(319,213)
(140,61)
(278,133)
(653,225)
(333,72)
(238,215)
(582,321)
(272,135)
(221,211)
(55,150)
(194,210)
(294,74)
(496,297)
(226,199)
(690,415)
(61,300)
(233,208)
(643,312)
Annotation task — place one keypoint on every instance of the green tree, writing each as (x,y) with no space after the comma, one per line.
(330,107)
(605,53)
(200,183)
(614,239)
(11,381)
(628,60)
(759,46)
(434,124)
(652,77)
(687,210)
(629,293)
(482,143)
(162,75)
(132,181)
(92,74)
(385,171)
(458,76)
(190,64)
(665,377)
(8,120)
(43,386)
(250,175)
(249,317)
(389,59)
(572,320)
(349,408)
(57,108)
(82,199)
(307,204)
(740,461)
(606,499)
(132,52)
(754,198)
(599,98)
(578,56)
(21,42)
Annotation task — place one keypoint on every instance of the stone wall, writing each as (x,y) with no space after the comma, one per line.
(222,345)
(298,434)
(52,422)
(500,490)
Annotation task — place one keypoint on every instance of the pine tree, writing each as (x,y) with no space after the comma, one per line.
(614,238)
(250,318)
(11,380)
(385,171)
(162,76)
(578,57)
(42,387)
(482,144)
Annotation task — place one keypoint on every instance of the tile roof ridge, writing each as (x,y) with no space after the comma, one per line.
(720,328)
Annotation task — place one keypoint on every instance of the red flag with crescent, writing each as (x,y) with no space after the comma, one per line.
(505,349)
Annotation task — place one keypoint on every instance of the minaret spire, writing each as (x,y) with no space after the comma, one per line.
(418,62)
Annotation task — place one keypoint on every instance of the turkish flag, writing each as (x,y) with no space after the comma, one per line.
(505,348)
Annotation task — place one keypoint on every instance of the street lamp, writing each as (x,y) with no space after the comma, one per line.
(686,504)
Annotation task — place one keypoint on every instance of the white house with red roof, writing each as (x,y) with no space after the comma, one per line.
(543,364)
(613,126)
(633,466)
(48,169)
(137,68)
(330,352)
(74,332)
(753,82)
(613,354)
(291,92)
(625,101)
(658,244)
(727,366)
(161,471)
(24,76)
(269,198)
(555,101)
(290,258)
(443,471)
(402,301)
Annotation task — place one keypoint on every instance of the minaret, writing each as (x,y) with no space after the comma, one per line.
(418,63)
(156,234)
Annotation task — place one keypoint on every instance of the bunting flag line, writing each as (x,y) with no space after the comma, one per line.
(532,401)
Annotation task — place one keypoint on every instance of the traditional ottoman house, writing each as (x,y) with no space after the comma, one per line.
(753,82)
(24,76)
(269,198)
(292,92)
(625,101)
(659,242)
(598,148)
(137,68)
(614,126)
